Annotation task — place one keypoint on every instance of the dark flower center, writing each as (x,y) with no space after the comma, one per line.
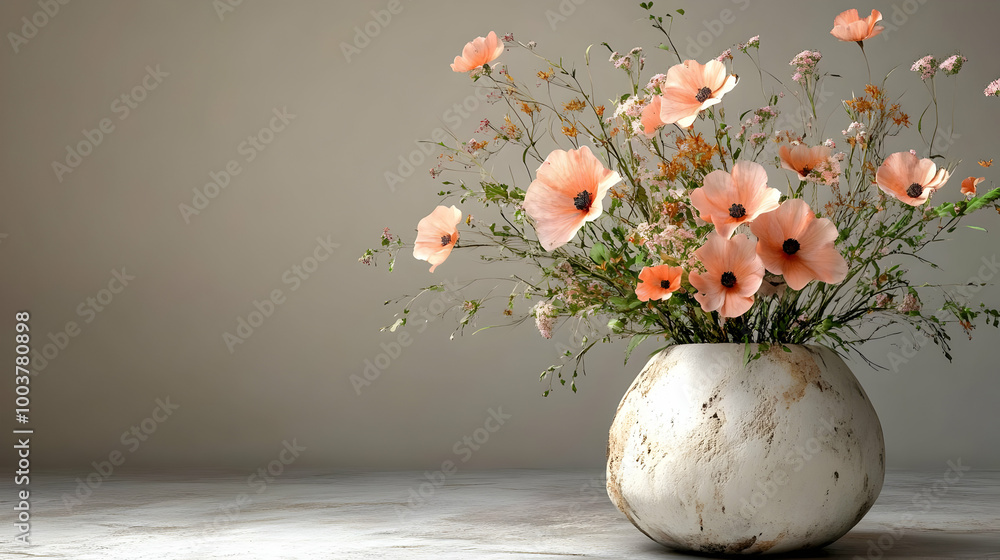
(915,190)
(737,211)
(790,246)
(728,279)
(445,239)
(665,284)
(703,94)
(583,201)
(806,171)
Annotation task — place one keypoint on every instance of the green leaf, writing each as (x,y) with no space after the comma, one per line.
(946,209)
(636,341)
(599,253)
(495,191)
(679,10)
(619,302)
(920,121)
(980,201)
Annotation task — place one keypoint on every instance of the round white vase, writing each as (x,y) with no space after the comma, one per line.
(709,455)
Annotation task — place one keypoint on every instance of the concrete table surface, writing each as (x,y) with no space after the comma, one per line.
(536,514)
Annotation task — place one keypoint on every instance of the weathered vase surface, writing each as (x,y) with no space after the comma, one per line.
(708,454)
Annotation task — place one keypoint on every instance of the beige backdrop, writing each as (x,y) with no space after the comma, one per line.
(263,99)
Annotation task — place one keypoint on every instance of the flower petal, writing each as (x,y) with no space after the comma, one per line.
(736,305)
(436,235)
(650,117)
(710,293)
(715,196)
(550,198)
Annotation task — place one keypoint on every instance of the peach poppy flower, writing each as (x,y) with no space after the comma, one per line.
(802,159)
(733,274)
(437,234)
(567,192)
(658,282)
(479,51)
(650,117)
(728,200)
(794,243)
(691,87)
(969,185)
(848,26)
(909,178)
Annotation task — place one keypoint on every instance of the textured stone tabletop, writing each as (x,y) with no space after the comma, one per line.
(467,515)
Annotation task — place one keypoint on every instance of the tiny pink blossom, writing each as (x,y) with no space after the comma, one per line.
(857,131)
(910,303)
(545,318)
(953,64)
(752,43)
(655,82)
(829,171)
(993,89)
(927,66)
(805,65)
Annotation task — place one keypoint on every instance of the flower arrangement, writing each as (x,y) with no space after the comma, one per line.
(663,214)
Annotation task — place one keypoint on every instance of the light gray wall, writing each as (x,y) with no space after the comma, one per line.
(323,175)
